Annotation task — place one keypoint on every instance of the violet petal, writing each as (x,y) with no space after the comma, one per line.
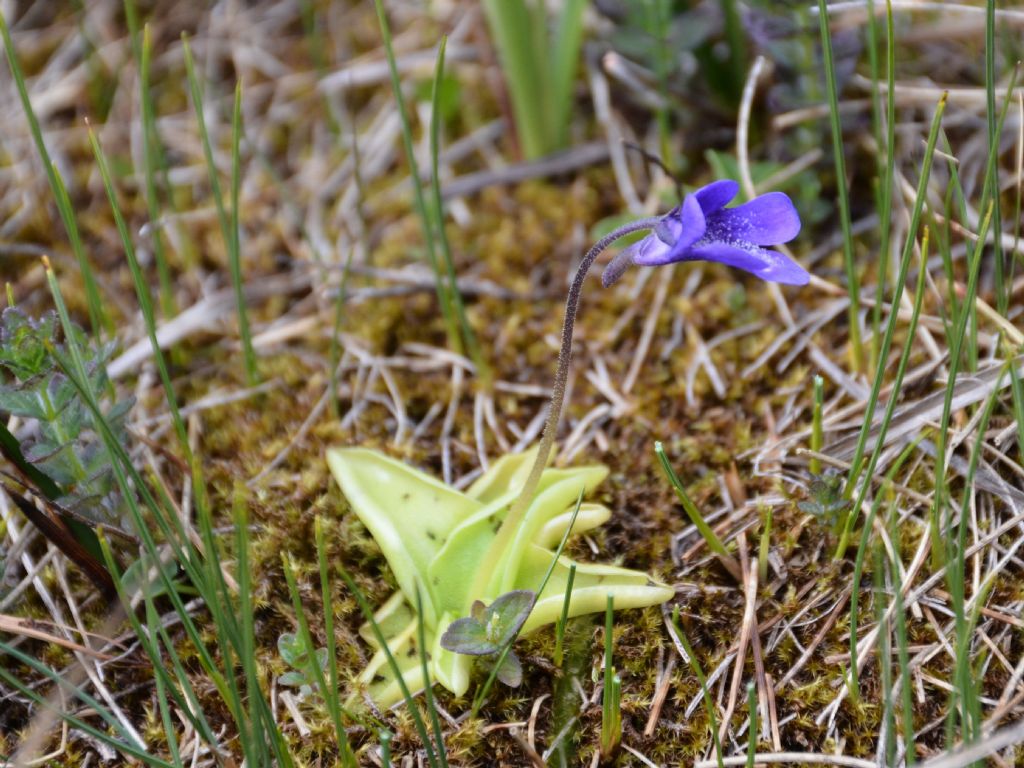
(764,263)
(716,195)
(686,223)
(765,220)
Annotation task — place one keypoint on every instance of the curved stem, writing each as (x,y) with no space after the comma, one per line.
(518,510)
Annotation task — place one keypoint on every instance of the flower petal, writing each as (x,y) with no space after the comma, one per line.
(768,265)
(716,195)
(694,226)
(684,225)
(766,220)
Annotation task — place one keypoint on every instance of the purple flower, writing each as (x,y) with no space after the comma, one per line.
(703,229)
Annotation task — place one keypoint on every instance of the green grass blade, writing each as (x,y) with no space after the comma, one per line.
(709,704)
(348,758)
(903,655)
(714,543)
(1018,409)
(228,224)
(955,305)
(180,688)
(440,284)
(852,278)
(890,409)
(967,691)
(124,746)
(764,546)
(234,248)
(166,716)
(428,692)
(246,609)
(334,353)
(204,572)
(817,433)
(735,38)
(142,293)
(859,562)
(98,319)
(853,478)
(881,592)
(752,731)
(563,620)
(566,49)
(142,52)
(326,684)
(657,19)
(889,168)
(421,728)
(611,714)
(472,345)
(940,500)
(994,123)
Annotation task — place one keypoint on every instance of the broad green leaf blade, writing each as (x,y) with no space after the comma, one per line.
(506,474)
(392,618)
(11,450)
(557,491)
(467,545)
(378,676)
(566,59)
(590,516)
(591,587)
(509,23)
(409,513)
(292,678)
(452,670)
(414,517)
(292,649)
(451,570)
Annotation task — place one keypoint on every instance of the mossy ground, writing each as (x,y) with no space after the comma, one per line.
(396,381)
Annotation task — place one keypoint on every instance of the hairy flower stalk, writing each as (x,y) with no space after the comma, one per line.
(515,514)
(700,229)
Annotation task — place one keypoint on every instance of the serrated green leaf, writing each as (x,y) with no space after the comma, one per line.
(12,451)
(23,349)
(20,402)
(61,391)
(72,419)
(116,416)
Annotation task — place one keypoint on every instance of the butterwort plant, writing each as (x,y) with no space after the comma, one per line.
(468,563)
(701,228)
